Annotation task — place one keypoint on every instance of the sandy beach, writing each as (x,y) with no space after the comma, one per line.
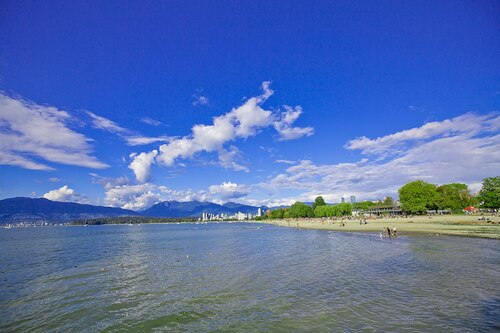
(456,225)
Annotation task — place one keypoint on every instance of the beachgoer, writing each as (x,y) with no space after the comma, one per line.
(394,231)
(389,232)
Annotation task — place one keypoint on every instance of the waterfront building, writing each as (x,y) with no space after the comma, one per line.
(259,212)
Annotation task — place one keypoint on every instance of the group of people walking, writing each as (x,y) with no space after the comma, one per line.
(388,232)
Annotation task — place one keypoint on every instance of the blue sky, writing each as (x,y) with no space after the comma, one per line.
(128,104)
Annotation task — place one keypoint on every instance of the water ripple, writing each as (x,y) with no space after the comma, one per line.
(227,278)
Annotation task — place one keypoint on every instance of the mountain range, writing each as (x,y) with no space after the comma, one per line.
(197,208)
(14,210)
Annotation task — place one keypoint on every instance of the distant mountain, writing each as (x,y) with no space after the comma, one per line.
(196,209)
(16,210)
(20,209)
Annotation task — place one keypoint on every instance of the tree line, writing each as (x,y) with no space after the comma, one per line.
(132,220)
(416,197)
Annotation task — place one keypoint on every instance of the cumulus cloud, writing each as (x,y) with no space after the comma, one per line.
(143,196)
(141,165)
(30,132)
(285,128)
(66,194)
(241,122)
(462,149)
(228,190)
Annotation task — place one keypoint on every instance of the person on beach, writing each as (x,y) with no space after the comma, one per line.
(388,232)
(394,231)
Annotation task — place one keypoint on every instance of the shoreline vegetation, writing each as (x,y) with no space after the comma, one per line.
(452,225)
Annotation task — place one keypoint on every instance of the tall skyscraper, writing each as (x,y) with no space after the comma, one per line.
(353,198)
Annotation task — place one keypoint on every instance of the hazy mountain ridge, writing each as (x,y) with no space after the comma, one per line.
(21,209)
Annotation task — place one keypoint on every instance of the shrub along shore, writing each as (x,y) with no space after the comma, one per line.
(455,225)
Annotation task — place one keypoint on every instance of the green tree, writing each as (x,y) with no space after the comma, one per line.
(388,201)
(418,196)
(362,205)
(277,213)
(318,202)
(300,209)
(489,195)
(453,196)
(324,211)
(342,209)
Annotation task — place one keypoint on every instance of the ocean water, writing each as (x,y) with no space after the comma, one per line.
(240,278)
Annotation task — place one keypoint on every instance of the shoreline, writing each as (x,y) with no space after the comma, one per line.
(451,225)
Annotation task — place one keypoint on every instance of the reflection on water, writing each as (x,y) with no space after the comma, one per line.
(229,277)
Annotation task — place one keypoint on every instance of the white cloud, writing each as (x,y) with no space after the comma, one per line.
(152,122)
(141,165)
(241,122)
(145,140)
(469,124)
(66,194)
(109,182)
(200,100)
(285,128)
(143,196)
(54,179)
(131,138)
(228,190)
(463,149)
(29,131)
(106,124)
(228,158)
(285,161)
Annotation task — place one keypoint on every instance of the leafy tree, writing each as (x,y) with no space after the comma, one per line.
(362,205)
(300,209)
(277,213)
(324,211)
(318,202)
(418,196)
(453,196)
(490,193)
(388,201)
(342,209)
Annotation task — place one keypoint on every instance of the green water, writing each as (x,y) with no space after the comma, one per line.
(234,278)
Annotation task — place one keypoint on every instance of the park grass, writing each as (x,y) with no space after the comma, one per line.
(455,225)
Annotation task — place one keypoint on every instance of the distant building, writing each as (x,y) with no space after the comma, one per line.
(259,212)
(241,216)
(353,198)
(342,200)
